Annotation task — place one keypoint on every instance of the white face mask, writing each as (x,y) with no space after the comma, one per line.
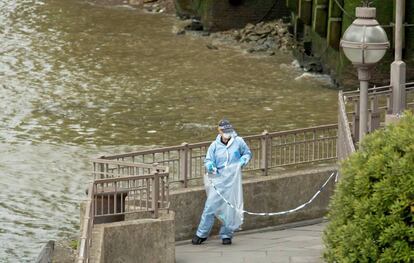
(226,136)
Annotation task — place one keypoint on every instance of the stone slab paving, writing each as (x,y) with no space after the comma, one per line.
(293,245)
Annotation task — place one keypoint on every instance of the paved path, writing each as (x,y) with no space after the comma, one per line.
(294,245)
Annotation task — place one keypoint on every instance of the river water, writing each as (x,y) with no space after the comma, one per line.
(78,81)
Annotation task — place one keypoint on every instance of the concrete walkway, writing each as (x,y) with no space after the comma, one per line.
(293,245)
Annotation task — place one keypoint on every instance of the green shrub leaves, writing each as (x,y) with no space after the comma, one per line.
(372,211)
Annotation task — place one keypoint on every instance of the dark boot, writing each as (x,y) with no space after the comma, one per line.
(226,241)
(198,240)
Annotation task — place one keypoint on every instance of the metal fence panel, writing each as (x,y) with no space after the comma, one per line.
(270,150)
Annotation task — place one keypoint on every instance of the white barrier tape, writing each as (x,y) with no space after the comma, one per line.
(282,212)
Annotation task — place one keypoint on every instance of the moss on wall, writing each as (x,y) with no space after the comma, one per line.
(184,8)
(226,14)
(410,30)
(384,8)
(340,67)
(409,43)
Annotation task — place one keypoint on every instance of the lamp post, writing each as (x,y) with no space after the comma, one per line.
(364,43)
(398,67)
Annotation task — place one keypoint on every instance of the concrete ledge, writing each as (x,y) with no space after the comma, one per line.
(141,240)
(272,193)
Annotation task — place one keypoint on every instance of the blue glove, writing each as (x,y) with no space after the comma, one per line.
(243,162)
(210,167)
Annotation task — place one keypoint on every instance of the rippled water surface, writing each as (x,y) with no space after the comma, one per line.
(78,80)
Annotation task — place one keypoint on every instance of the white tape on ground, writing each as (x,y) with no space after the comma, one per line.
(282,212)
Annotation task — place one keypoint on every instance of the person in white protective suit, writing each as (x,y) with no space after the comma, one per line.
(224,159)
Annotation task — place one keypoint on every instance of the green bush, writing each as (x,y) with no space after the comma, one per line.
(371,213)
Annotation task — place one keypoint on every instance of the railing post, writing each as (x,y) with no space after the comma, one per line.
(345,145)
(355,121)
(155,192)
(184,164)
(264,146)
(389,103)
(102,175)
(374,118)
(339,138)
(313,144)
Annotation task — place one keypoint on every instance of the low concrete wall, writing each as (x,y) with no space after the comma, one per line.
(141,240)
(262,194)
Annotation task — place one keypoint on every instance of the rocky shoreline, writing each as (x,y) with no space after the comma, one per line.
(150,6)
(158,6)
(262,38)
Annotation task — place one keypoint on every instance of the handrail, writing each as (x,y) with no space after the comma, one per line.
(380,104)
(408,83)
(375,90)
(198,144)
(138,165)
(349,95)
(127,178)
(86,236)
(315,128)
(345,143)
(150,151)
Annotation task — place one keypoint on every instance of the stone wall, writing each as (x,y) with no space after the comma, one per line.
(219,15)
(261,194)
(321,23)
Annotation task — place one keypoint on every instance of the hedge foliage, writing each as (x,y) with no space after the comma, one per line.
(371,213)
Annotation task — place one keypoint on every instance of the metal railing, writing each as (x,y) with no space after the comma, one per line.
(379,104)
(139,181)
(345,143)
(119,188)
(86,234)
(270,150)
